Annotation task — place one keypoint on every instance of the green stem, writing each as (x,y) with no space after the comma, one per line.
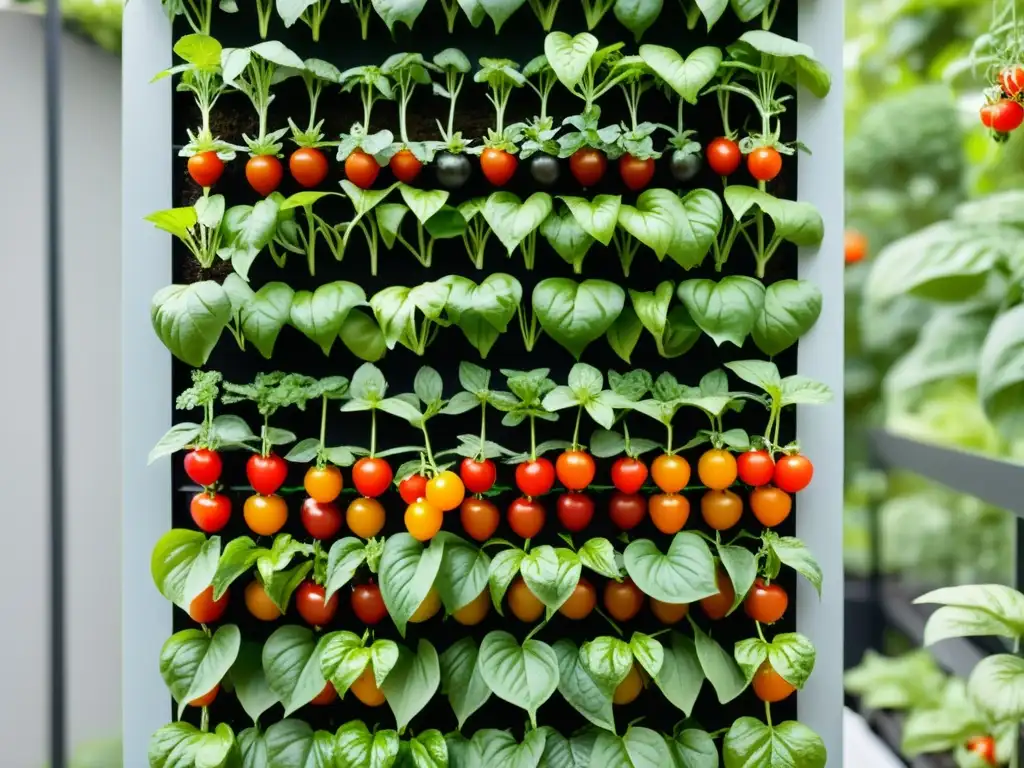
(204,720)
(265,447)
(310,241)
(668,439)
(576,431)
(373,432)
(768,713)
(426,445)
(760,633)
(323,427)
(483,428)
(533,438)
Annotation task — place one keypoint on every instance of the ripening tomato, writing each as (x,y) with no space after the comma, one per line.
(724,156)
(323,484)
(445,491)
(526,517)
(322,520)
(755,468)
(475,611)
(1011,80)
(312,605)
(629,689)
(259,603)
(308,166)
(721,510)
(769,686)
(623,600)
(365,517)
(588,165)
(478,476)
(368,604)
(264,173)
(361,169)
(365,688)
(524,604)
(479,518)
(764,163)
(770,505)
(855,246)
(984,747)
(536,477)
(575,511)
(671,473)
(204,609)
(423,520)
(669,512)
(1002,116)
(413,488)
(669,613)
(717,469)
(581,602)
(575,469)
(636,174)
(210,511)
(205,168)
(266,473)
(718,605)
(793,473)
(629,474)
(206,699)
(766,603)
(203,466)
(498,165)
(427,609)
(627,510)
(265,515)
(327,696)
(406,166)
(372,476)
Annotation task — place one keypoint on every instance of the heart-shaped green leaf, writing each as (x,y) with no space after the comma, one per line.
(575,314)
(727,310)
(512,219)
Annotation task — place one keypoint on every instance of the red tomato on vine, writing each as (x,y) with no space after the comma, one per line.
(205,168)
(984,747)
(372,476)
(308,166)
(478,476)
(368,604)
(203,466)
(766,603)
(413,488)
(575,511)
(210,511)
(266,473)
(535,478)
(629,474)
(793,473)
(575,469)
(755,467)
(264,173)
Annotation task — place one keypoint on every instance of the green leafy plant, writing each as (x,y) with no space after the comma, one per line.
(309,12)
(314,74)
(407,71)
(373,85)
(502,76)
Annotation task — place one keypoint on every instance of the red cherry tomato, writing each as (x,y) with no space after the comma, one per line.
(769,685)
(526,517)
(588,165)
(266,473)
(210,511)
(575,511)
(755,468)
(793,473)
(535,478)
(498,165)
(984,747)
(203,466)
(855,246)
(636,174)
(724,156)
(372,476)
(206,699)
(575,469)
(204,609)
(327,696)
(478,476)
(627,510)
(1003,116)
(764,163)
(264,173)
(413,488)
(1011,80)
(368,604)
(629,474)
(479,518)
(205,168)
(766,603)
(308,166)
(361,169)
(406,166)
(311,605)
(321,519)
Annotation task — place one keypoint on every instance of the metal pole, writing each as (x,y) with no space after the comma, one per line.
(55,359)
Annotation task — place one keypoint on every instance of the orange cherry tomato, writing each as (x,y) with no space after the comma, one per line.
(718,605)
(372,476)
(406,166)
(446,491)
(206,699)
(717,469)
(479,518)
(365,517)
(669,512)
(327,696)
(474,612)
(984,747)
(427,609)
(323,484)
(524,604)
(629,689)
(855,246)
(575,469)
(498,165)
(265,515)
(361,169)
(769,686)
(365,688)
(205,168)
(764,163)
(526,517)
(669,613)
(770,505)
(623,600)
(724,156)
(259,603)
(581,602)
(423,520)
(766,603)
(671,473)
(721,509)
(308,166)
(204,609)
(264,173)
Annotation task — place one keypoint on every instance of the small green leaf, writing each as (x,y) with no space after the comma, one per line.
(608,661)
(189,319)
(576,314)
(752,744)
(412,683)
(579,689)
(639,748)
(791,308)
(719,667)
(684,574)
(686,76)
(524,676)
(461,680)
(407,571)
(291,661)
(681,676)
(192,662)
(551,574)
(727,310)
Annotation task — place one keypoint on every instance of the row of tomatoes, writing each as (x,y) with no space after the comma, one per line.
(1004,113)
(309,167)
(266,513)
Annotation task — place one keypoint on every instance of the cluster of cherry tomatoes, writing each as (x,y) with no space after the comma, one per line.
(724,158)
(1003,113)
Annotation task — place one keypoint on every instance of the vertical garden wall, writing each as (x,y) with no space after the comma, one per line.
(498,424)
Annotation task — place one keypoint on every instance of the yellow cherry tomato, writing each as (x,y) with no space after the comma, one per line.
(428,608)
(323,484)
(423,520)
(365,517)
(365,688)
(473,613)
(629,688)
(446,491)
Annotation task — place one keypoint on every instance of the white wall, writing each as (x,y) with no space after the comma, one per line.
(91,248)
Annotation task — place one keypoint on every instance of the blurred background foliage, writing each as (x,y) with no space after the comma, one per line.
(96,20)
(927,184)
